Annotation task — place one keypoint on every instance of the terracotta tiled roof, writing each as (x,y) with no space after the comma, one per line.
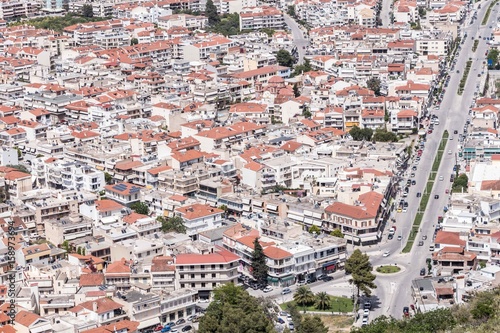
(91,280)
(218,257)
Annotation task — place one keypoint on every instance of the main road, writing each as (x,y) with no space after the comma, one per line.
(298,37)
(394,292)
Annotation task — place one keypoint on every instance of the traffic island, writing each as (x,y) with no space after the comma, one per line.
(388,269)
(426,195)
(488,12)
(463,81)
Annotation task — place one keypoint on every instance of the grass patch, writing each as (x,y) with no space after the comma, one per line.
(475,45)
(338,304)
(463,81)
(488,12)
(337,323)
(388,269)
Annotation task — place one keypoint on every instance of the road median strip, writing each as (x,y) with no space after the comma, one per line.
(488,12)
(424,200)
(463,81)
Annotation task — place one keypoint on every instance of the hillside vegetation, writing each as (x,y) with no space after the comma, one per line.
(480,315)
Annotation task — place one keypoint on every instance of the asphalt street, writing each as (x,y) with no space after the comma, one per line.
(298,37)
(394,292)
(385,13)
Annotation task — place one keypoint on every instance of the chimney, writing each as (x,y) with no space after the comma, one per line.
(94,306)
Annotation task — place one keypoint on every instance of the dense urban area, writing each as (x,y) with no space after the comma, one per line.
(244,166)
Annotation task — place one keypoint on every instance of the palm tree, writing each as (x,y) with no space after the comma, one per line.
(303,296)
(323,301)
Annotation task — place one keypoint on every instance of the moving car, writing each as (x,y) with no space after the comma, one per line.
(386,254)
(286,291)
(267,289)
(422,272)
(436,196)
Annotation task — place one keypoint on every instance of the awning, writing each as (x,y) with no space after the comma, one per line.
(271,207)
(330,263)
(295,217)
(287,278)
(317,215)
(246,208)
(246,201)
(149,322)
(308,221)
(272,279)
(257,203)
(368,238)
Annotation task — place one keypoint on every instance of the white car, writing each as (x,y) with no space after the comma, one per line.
(365,321)
(386,254)
(405,209)
(268,289)
(441,177)
(366,313)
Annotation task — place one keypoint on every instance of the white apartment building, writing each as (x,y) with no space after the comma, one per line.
(254,18)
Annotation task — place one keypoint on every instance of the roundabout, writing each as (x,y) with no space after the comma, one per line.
(388,269)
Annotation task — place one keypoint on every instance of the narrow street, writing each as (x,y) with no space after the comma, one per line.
(298,37)
(385,13)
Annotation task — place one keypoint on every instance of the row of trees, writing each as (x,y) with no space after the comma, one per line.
(233,310)
(480,315)
(367,134)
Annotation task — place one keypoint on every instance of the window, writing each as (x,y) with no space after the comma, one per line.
(202,276)
(182,285)
(193,285)
(203,284)
(182,276)
(214,284)
(213,275)
(192,276)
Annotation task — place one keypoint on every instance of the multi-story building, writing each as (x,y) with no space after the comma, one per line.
(10,10)
(199,217)
(255,18)
(68,228)
(206,271)
(360,222)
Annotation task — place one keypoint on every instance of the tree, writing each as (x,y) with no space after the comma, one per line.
(373,84)
(493,58)
(65,245)
(108,178)
(291,11)
(140,208)
(284,58)
(337,233)
(134,41)
(460,184)
(235,311)
(382,135)
(19,152)
(323,301)
(360,134)
(314,230)
(306,113)
(296,91)
(302,68)
(211,13)
(312,324)
(79,250)
(303,296)
(18,167)
(87,11)
(175,224)
(360,268)
(259,265)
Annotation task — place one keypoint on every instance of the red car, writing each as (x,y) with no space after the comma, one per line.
(447,191)
(158,328)
(429,132)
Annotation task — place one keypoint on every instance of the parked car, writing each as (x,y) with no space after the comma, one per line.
(422,272)
(187,328)
(286,291)
(280,320)
(190,318)
(367,305)
(180,321)
(328,278)
(267,289)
